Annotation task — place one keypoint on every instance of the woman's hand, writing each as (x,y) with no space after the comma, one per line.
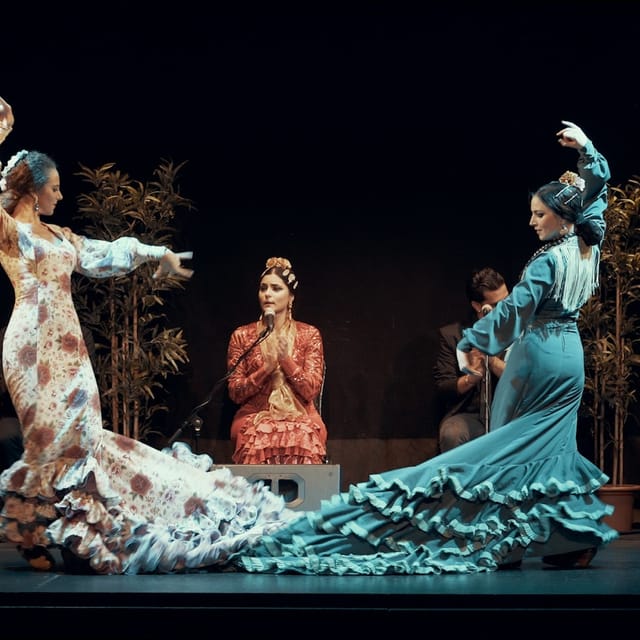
(572,136)
(276,350)
(6,119)
(270,354)
(170,265)
(282,348)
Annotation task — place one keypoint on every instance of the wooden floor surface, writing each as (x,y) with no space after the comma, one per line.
(608,590)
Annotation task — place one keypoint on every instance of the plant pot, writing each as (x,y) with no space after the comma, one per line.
(621,497)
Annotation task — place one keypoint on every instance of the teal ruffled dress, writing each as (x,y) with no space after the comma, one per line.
(523,489)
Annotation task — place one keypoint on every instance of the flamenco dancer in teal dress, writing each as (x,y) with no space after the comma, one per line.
(520,490)
(120,506)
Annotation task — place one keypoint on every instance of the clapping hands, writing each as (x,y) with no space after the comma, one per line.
(277,349)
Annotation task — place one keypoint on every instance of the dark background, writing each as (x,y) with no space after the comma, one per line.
(385,151)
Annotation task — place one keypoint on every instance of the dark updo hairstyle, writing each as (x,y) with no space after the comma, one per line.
(27,175)
(563,199)
(566,201)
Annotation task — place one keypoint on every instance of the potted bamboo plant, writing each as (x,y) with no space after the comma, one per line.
(611,339)
(135,352)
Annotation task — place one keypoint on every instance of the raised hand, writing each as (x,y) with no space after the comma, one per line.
(6,119)
(572,136)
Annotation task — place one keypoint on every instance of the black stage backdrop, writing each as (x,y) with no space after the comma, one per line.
(386,152)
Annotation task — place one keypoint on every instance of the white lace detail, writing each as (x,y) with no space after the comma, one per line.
(13,161)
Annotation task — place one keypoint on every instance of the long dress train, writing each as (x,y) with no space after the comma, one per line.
(116,502)
(521,489)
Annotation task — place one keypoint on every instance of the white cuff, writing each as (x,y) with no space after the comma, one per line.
(151,251)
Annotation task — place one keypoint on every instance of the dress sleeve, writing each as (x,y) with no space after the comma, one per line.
(594,169)
(500,328)
(305,378)
(103,258)
(249,375)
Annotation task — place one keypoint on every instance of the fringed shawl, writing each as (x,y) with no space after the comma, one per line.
(577,273)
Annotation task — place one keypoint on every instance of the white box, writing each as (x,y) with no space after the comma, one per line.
(302,486)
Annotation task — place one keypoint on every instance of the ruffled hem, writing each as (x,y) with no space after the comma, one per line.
(77,508)
(133,546)
(280,442)
(438,519)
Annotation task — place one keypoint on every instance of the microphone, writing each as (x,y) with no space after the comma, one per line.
(269,319)
(486,308)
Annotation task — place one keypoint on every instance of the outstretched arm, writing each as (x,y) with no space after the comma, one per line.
(104,258)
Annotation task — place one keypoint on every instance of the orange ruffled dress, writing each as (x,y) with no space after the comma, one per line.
(277,421)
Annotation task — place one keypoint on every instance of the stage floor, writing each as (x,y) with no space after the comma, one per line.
(609,589)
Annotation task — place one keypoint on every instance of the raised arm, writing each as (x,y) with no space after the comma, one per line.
(6,119)
(594,170)
(7,225)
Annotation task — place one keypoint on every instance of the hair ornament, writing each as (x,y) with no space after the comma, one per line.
(572,179)
(280,263)
(568,200)
(13,161)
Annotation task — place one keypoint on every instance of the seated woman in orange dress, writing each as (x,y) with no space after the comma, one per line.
(277,372)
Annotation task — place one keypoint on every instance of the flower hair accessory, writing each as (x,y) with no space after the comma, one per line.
(572,179)
(280,263)
(13,161)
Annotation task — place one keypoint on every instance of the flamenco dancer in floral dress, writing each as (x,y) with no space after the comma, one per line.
(119,505)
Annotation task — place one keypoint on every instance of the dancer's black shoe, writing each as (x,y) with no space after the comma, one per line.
(579,559)
(509,566)
(39,558)
(75,565)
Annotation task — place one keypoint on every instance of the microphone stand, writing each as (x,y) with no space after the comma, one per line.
(487,393)
(193,419)
(486,309)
